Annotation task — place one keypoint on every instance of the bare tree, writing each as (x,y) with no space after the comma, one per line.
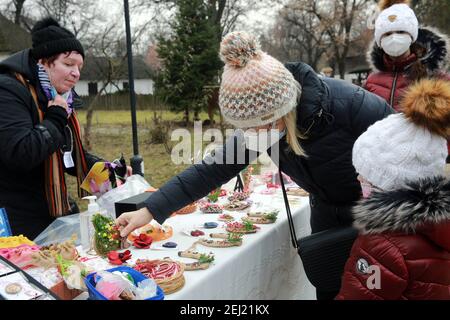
(14,10)
(76,15)
(339,19)
(297,35)
(18,4)
(224,14)
(108,44)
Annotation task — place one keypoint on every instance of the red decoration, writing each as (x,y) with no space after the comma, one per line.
(197,233)
(117,258)
(143,241)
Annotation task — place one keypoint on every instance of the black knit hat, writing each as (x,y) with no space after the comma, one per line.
(49,38)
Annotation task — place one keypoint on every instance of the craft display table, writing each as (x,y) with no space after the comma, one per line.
(265,266)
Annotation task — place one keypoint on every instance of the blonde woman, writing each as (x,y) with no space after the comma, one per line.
(318,120)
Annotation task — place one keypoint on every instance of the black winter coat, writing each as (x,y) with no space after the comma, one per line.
(25,145)
(332,113)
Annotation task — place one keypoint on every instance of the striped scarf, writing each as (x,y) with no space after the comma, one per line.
(44,80)
(55,183)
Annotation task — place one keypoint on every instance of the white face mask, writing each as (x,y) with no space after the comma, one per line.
(396,44)
(262,140)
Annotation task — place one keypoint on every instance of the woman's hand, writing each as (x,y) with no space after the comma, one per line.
(59,101)
(130,221)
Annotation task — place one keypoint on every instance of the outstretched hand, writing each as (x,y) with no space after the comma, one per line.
(130,221)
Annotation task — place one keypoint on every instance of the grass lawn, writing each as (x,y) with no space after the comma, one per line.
(123,117)
(112,136)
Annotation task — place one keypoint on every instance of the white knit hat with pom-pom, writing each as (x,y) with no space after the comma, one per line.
(396,16)
(256,89)
(407,146)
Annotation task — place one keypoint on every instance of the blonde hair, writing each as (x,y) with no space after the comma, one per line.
(292,133)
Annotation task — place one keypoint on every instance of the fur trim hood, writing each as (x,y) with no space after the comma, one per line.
(436,56)
(419,204)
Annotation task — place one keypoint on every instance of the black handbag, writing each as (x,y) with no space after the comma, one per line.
(324,253)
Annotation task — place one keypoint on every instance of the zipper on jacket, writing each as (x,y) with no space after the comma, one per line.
(394,85)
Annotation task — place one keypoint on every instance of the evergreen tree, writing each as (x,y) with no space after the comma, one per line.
(190,57)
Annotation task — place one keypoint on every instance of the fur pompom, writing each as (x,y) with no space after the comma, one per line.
(384,4)
(427,104)
(238,48)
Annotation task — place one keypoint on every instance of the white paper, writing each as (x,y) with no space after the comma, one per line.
(5,269)
(68,160)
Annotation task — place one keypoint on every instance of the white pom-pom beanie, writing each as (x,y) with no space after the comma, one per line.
(398,17)
(395,150)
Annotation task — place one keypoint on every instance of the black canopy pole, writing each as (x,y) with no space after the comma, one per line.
(136,161)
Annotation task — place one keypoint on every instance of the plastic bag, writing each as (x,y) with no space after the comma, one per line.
(121,286)
(112,285)
(63,228)
(146,289)
(60,230)
(133,186)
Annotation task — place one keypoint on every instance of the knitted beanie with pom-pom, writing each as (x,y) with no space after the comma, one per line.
(406,147)
(396,15)
(256,89)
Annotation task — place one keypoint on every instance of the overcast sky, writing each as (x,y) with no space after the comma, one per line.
(261,19)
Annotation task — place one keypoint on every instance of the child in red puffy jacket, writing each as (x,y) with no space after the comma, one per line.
(403,250)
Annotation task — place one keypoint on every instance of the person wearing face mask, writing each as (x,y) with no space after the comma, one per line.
(40,137)
(403,53)
(318,120)
(404,218)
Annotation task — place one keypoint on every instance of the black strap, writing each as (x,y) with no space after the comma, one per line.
(288,211)
(239,184)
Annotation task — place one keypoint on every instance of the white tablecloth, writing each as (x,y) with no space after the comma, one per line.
(265,267)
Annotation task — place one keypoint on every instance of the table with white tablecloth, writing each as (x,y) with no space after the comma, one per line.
(265,267)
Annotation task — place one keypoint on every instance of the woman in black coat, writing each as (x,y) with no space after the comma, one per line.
(319,120)
(39,133)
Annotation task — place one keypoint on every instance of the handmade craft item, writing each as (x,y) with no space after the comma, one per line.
(73,273)
(203,260)
(244,227)
(107,235)
(211,208)
(143,241)
(117,258)
(261,217)
(46,257)
(15,241)
(226,217)
(155,230)
(168,274)
(197,233)
(238,205)
(21,256)
(228,240)
(239,196)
